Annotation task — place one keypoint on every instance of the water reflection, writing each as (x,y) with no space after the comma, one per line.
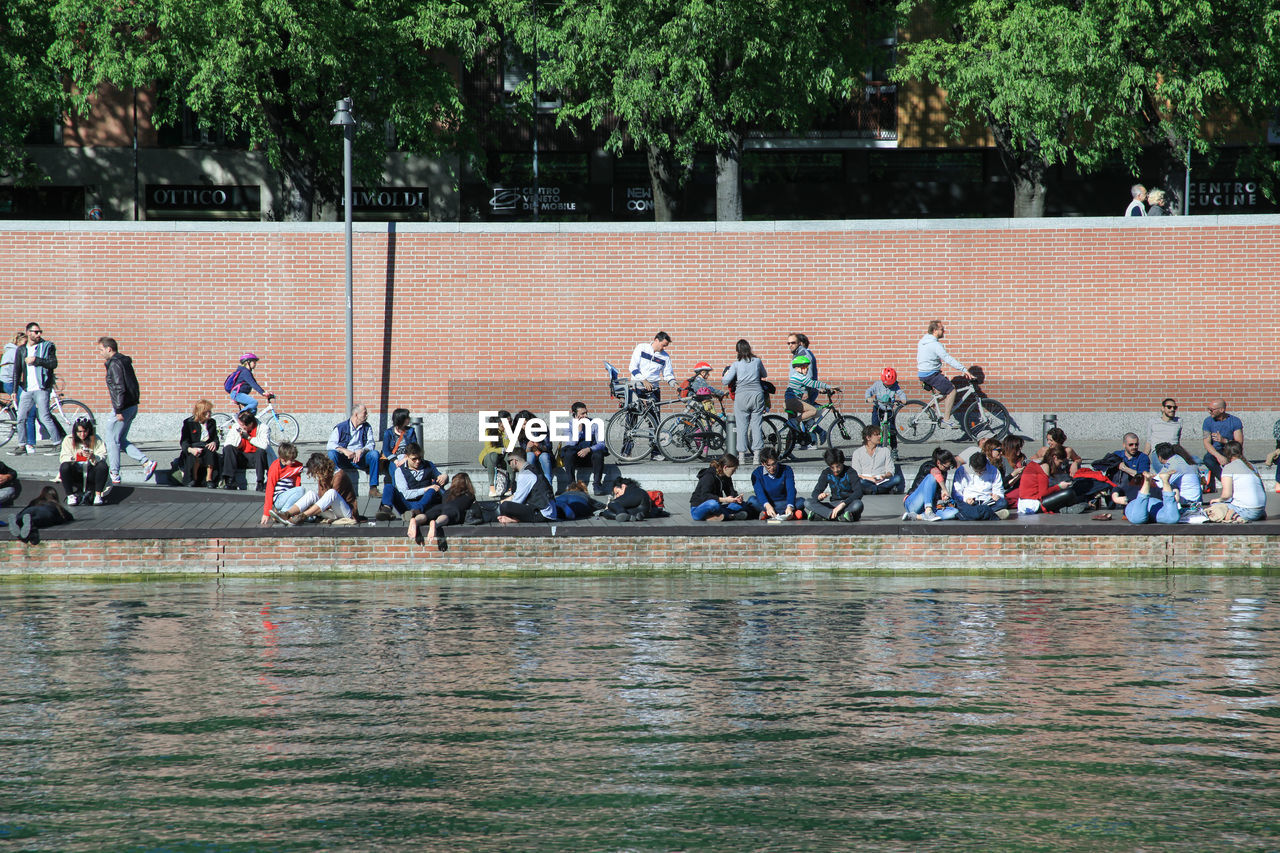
(701,712)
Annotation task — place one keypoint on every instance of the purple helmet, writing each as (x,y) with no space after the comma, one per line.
(249,357)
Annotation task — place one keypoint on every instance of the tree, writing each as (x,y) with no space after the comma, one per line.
(1081,81)
(273,70)
(31,89)
(684,75)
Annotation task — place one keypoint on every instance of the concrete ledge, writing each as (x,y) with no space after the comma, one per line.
(884,548)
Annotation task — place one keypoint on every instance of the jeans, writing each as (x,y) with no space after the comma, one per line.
(370,461)
(924,495)
(246,401)
(544,461)
(38,399)
(1144,509)
(28,437)
(853,508)
(711,507)
(9,494)
(980,511)
(288,498)
(1215,470)
(398,502)
(116,435)
(894,484)
(781,506)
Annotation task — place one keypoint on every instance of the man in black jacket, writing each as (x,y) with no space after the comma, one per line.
(122,385)
(33,367)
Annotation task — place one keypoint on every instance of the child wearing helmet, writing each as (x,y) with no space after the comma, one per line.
(701,388)
(801,384)
(241,382)
(883,396)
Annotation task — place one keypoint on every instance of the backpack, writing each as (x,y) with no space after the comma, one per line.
(683,391)
(229,384)
(657,499)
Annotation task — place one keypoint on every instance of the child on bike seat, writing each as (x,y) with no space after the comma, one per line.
(700,387)
(241,382)
(799,384)
(883,396)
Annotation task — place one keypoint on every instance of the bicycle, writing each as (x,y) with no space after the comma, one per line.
(829,425)
(280,425)
(694,433)
(65,411)
(977,413)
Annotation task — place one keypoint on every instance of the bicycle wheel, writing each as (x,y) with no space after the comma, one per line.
(778,435)
(846,434)
(631,435)
(681,437)
(915,422)
(8,424)
(69,411)
(992,420)
(222,422)
(282,427)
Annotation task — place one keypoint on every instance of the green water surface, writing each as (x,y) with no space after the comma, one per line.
(805,712)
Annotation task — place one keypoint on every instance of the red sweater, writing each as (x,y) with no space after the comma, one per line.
(281,477)
(1033,486)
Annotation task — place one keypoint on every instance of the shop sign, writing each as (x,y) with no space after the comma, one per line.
(508,201)
(1224,194)
(203,198)
(390,199)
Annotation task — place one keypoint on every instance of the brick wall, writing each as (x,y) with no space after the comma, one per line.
(1076,315)
(375,555)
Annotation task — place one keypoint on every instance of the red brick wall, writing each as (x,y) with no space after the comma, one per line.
(1079,315)
(372,555)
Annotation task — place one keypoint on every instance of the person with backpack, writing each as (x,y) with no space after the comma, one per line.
(122,386)
(241,382)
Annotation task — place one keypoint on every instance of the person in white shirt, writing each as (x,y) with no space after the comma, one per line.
(874,465)
(650,364)
(1136,207)
(978,490)
(930,354)
(1243,497)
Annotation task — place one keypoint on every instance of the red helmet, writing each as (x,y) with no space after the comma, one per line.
(702,365)
(888,376)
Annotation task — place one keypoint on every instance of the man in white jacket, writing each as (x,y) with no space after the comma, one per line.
(650,364)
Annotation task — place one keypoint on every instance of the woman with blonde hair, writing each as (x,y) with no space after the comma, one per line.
(198,446)
(333,494)
(1157,199)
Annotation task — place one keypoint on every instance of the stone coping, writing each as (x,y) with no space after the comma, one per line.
(1266,220)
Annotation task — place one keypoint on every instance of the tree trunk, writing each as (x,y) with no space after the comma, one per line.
(1026,167)
(667,177)
(298,191)
(1173,175)
(1028,198)
(729,179)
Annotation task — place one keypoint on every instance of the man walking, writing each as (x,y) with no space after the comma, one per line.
(122,386)
(930,354)
(1137,206)
(33,367)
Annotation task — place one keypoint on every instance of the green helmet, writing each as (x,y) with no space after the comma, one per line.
(801,361)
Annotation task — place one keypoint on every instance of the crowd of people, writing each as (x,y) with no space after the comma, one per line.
(1157,481)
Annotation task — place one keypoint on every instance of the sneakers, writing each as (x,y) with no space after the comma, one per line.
(383,513)
(99,500)
(72,500)
(1002,514)
(22,450)
(115,480)
(375,492)
(622,516)
(148,469)
(106,490)
(928,514)
(846,516)
(740,515)
(278,516)
(950,423)
(908,516)
(407,515)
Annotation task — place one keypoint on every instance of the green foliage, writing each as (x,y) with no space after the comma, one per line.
(31,90)
(680,75)
(273,70)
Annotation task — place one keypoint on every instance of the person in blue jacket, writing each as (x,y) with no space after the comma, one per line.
(775,488)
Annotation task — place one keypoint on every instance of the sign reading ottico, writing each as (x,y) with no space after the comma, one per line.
(559,426)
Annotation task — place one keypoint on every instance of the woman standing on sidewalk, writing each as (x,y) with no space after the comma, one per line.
(744,378)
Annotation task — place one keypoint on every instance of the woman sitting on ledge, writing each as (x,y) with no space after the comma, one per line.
(927,499)
(714,498)
(458,498)
(83,468)
(1243,498)
(630,502)
(775,489)
(334,495)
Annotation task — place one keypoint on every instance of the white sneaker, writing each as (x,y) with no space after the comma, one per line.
(148,469)
(949,423)
(908,516)
(72,500)
(928,514)
(99,500)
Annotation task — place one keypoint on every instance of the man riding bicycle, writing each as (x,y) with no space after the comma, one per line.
(241,382)
(930,354)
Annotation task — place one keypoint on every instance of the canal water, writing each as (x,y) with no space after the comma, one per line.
(792,712)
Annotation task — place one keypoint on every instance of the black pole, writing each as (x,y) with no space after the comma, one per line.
(536,191)
(135,153)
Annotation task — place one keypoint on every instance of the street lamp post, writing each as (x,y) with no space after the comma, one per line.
(343,118)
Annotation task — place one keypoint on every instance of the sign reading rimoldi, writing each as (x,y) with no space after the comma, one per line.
(221,201)
(515,201)
(385,202)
